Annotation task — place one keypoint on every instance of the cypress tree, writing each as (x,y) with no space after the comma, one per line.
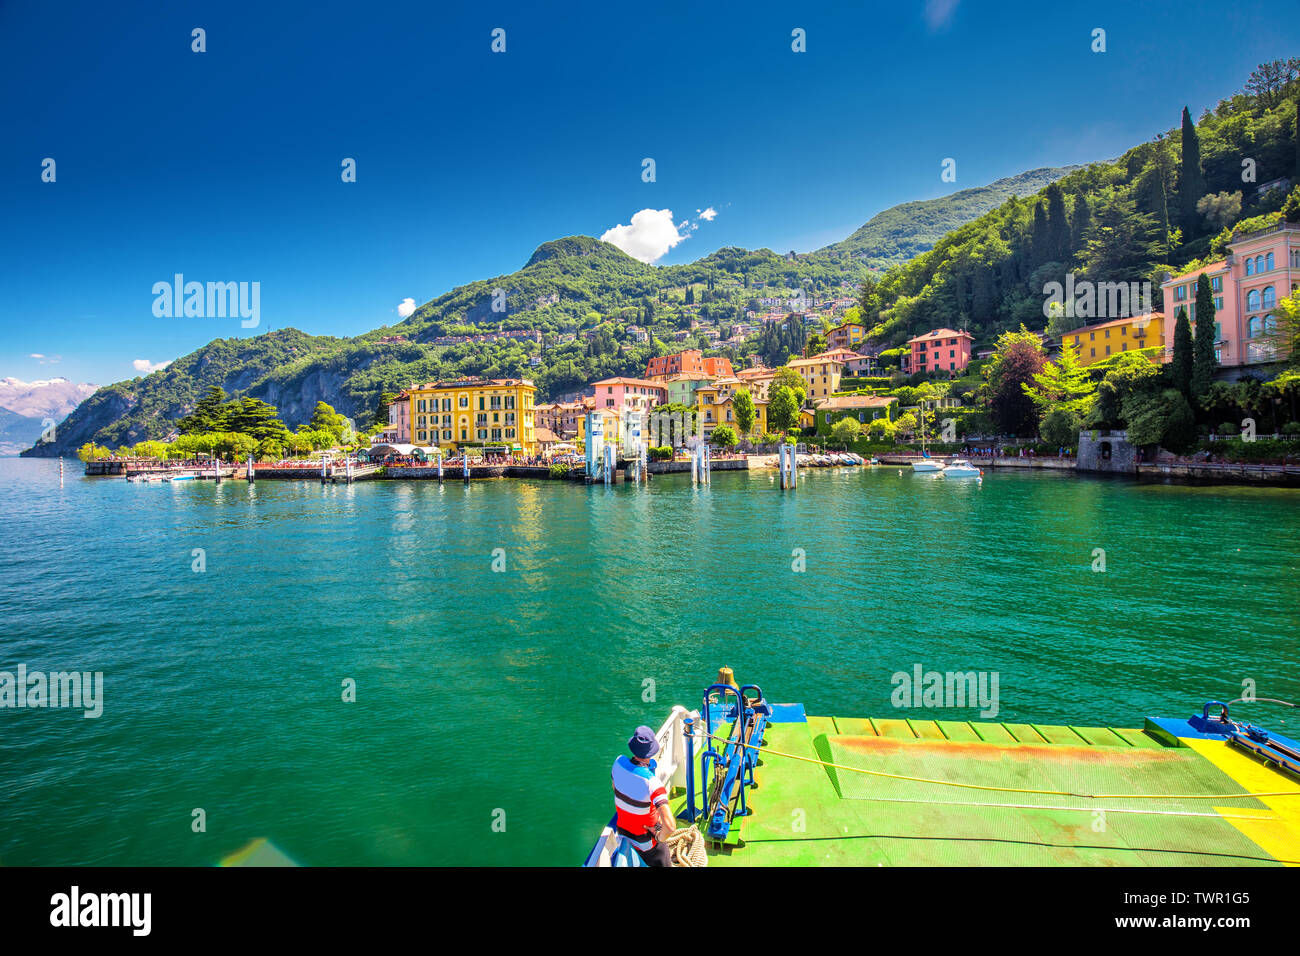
(1081,221)
(1191,185)
(1183,359)
(1203,364)
(1040,243)
(1058,224)
(1297,138)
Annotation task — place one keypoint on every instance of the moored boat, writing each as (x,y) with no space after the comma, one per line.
(961,468)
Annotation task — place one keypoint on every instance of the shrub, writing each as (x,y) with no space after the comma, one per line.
(723,436)
(1291,428)
(661,453)
(1227,430)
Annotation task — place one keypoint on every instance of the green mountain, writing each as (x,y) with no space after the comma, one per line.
(905,231)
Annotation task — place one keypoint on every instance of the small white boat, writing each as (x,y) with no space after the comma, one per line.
(961,468)
(181,478)
(927,465)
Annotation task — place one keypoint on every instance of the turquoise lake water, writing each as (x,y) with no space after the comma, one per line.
(479,692)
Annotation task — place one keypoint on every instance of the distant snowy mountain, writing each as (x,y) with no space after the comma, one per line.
(46,398)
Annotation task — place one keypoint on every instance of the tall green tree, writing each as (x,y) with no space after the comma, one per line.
(252,416)
(1040,242)
(1184,360)
(1058,225)
(209,414)
(1204,363)
(1191,181)
(782,408)
(1063,384)
(743,405)
(1080,221)
(381,410)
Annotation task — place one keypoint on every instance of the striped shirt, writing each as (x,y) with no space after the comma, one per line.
(637,796)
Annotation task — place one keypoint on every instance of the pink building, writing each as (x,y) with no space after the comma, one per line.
(939,350)
(634,394)
(1260,269)
(398,431)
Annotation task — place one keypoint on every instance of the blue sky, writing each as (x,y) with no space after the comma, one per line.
(225,165)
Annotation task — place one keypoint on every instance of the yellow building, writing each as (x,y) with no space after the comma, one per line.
(1096,343)
(846,336)
(820,374)
(495,414)
(716,406)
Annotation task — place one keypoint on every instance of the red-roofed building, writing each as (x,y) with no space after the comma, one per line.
(939,350)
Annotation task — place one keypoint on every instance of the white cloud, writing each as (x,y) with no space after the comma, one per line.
(144,365)
(45,359)
(708,215)
(938,13)
(406,307)
(649,236)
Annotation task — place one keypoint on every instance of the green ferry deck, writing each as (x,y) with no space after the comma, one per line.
(954,793)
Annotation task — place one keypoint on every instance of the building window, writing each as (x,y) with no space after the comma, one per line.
(1270,297)
(1250,267)
(1216,284)
(1252,299)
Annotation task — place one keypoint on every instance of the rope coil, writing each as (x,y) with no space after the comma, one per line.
(687,847)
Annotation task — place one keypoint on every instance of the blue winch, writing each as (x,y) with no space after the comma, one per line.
(1257,740)
(725,774)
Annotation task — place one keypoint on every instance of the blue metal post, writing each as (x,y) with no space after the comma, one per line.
(690,769)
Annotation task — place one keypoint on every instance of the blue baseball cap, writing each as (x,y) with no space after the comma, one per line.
(643,743)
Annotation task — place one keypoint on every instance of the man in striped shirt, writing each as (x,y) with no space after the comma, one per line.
(640,801)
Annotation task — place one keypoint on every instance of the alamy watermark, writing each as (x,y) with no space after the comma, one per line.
(61,689)
(922,688)
(212,300)
(1085,299)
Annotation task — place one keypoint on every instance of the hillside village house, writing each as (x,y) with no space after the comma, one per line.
(1096,343)
(688,360)
(847,336)
(493,414)
(631,394)
(939,350)
(862,408)
(565,419)
(820,374)
(1260,268)
(716,406)
(398,431)
(757,380)
(682,388)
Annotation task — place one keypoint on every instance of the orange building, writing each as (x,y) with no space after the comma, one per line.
(689,360)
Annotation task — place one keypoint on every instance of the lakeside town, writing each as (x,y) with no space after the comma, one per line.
(1140,388)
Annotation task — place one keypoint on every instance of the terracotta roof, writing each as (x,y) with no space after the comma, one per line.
(1144,318)
(621,380)
(944,333)
(476,383)
(856,401)
(815,360)
(545,436)
(1220,266)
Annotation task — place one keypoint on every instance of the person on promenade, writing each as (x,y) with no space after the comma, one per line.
(640,801)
